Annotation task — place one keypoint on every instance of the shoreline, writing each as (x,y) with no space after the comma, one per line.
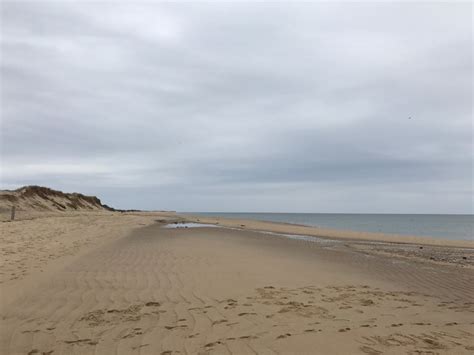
(325,233)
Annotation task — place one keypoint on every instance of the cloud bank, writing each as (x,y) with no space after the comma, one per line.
(241,107)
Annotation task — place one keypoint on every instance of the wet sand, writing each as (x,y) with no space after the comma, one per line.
(220,290)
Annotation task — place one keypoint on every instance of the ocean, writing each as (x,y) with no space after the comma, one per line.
(439,226)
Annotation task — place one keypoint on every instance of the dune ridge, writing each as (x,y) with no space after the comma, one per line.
(39,198)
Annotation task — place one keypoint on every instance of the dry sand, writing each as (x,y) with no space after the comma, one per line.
(220,290)
(44,241)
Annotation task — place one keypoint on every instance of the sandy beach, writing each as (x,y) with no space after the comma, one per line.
(104,283)
(251,177)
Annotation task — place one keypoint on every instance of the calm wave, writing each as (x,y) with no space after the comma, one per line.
(439,226)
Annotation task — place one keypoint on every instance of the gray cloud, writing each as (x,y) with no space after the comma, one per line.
(270,107)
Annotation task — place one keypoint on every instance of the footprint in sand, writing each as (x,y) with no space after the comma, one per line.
(369,350)
(79,341)
(152,304)
(133,333)
(367,302)
(171,327)
(247,314)
(228,300)
(219,321)
(210,345)
(140,346)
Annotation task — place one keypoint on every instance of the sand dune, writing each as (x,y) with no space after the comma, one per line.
(34,201)
(213,290)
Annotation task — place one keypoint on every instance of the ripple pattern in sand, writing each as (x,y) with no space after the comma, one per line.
(143,294)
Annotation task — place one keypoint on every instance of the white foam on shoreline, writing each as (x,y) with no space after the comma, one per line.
(307,238)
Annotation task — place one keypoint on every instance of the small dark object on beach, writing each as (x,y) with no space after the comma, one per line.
(432,258)
(421,247)
(464,257)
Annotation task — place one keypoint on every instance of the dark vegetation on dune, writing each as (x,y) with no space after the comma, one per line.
(75,201)
(60,200)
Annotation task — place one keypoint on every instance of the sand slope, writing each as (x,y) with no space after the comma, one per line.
(210,290)
(37,201)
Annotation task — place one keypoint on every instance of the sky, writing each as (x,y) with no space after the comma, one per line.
(270,107)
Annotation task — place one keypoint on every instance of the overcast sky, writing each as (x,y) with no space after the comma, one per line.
(241,107)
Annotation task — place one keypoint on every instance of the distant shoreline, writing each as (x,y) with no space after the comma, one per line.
(325,233)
